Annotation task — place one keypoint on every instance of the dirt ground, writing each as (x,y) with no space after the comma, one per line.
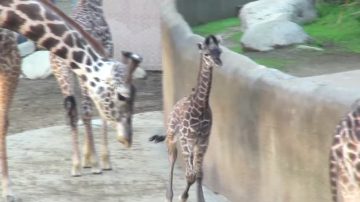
(39,103)
(301,62)
(139,174)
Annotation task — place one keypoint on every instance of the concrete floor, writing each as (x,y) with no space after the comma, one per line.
(40,167)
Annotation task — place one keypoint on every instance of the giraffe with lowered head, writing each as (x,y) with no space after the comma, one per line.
(190,123)
(108,81)
(89,15)
(345,158)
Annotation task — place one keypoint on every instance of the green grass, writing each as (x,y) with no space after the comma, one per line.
(340,31)
(273,62)
(216,27)
(223,26)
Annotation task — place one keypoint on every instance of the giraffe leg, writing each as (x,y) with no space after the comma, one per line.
(105,154)
(90,158)
(190,177)
(8,83)
(65,80)
(198,161)
(70,107)
(172,152)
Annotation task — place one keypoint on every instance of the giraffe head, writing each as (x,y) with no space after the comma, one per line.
(211,51)
(115,97)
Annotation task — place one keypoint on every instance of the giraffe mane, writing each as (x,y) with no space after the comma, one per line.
(94,43)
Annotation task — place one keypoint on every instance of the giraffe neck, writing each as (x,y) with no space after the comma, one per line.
(97,3)
(50,28)
(203,87)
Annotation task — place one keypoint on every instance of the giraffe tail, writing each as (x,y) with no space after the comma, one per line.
(333,176)
(157,138)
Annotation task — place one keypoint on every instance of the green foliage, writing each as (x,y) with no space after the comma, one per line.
(216,27)
(229,27)
(273,62)
(337,25)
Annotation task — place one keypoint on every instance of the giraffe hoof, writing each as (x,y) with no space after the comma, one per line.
(105,163)
(76,171)
(181,199)
(86,163)
(106,167)
(96,171)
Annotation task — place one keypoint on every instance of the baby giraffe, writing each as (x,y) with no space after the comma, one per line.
(190,122)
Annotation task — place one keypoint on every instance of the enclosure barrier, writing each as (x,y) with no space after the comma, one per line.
(272,132)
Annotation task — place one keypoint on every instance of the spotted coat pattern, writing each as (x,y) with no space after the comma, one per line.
(345,159)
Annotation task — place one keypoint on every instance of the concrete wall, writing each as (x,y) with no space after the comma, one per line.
(135,26)
(272,132)
(203,11)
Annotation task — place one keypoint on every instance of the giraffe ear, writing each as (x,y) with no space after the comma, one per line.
(200,46)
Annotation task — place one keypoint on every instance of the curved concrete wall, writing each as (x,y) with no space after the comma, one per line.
(272,132)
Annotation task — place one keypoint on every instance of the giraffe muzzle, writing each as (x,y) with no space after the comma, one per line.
(124,135)
(124,140)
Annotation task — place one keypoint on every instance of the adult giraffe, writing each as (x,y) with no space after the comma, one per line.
(90,16)
(107,81)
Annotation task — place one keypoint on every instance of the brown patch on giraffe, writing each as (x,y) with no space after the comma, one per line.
(62,52)
(78,56)
(36,32)
(73,65)
(35,11)
(57,29)
(13,21)
(69,40)
(50,43)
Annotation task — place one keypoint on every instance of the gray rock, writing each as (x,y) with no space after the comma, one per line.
(268,35)
(298,11)
(36,65)
(26,48)
(139,73)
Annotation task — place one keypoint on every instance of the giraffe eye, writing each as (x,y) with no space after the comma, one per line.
(206,54)
(121,97)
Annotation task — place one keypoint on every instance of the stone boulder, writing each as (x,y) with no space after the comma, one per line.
(139,73)
(298,11)
(26,48)
(268,35)
(36,65)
